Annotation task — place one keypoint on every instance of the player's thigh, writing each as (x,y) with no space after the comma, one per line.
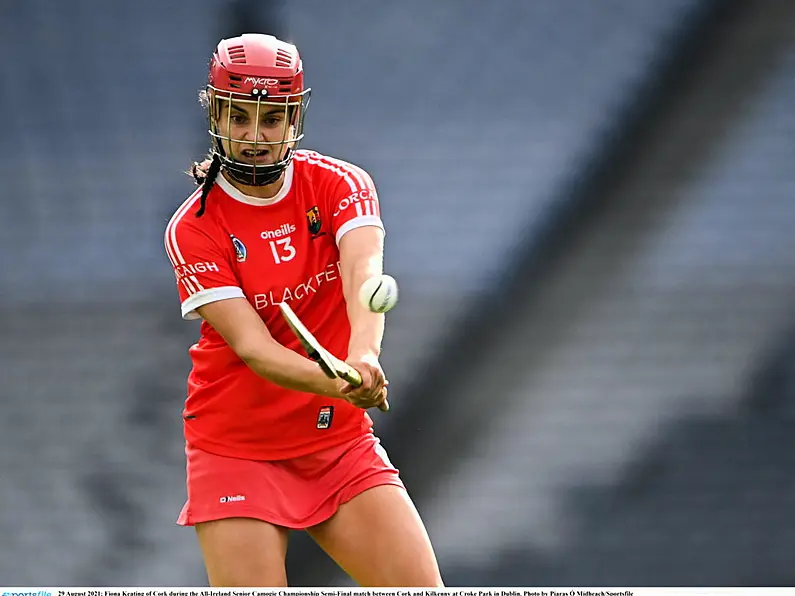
(379,539)
(242,551)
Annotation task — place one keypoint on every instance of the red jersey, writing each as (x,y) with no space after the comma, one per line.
(269,251)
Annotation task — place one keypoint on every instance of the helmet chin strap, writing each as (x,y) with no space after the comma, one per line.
(253,175)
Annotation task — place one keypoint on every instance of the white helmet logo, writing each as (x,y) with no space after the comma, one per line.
(260,81)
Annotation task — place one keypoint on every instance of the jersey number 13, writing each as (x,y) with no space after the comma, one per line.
(282,250)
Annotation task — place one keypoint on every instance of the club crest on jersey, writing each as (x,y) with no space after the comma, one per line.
(240,249)
(324,417)
(313,220)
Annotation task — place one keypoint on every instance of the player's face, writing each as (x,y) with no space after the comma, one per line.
(255,133)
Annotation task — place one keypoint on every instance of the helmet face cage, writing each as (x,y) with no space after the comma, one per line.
(292,108)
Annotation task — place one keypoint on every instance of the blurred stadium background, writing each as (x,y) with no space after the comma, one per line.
(590,209)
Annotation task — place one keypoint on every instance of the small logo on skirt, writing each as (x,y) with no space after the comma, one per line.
(324,416)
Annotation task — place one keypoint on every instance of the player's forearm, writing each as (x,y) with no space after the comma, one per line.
(367,328)
(285,368)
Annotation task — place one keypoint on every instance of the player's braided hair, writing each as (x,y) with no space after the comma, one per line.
(205,173)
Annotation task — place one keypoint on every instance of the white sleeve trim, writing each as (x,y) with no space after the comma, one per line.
(198,299)
(359,222)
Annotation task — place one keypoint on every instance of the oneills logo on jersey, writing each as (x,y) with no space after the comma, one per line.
(325,416)
(283,230)
(313,221)
(240,249)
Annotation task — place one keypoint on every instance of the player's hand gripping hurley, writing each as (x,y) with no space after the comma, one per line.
(333,367)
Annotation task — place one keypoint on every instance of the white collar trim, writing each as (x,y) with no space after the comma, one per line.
(233,192)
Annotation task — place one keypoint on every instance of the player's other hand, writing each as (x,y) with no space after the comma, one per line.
(372,392)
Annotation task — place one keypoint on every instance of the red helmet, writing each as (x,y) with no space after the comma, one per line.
(264,76)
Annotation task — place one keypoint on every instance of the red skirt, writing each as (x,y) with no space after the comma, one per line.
(295,493)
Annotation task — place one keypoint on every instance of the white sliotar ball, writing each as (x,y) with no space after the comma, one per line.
(379,293)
